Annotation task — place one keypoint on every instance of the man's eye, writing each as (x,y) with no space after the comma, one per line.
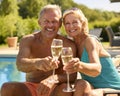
(54,22)
(67,23)
(45,22)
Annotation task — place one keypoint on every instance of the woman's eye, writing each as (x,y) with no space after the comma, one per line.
(75,22)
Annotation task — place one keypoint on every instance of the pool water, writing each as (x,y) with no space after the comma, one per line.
(8,70)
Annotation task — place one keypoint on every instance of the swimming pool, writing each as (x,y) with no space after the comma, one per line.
(8,70)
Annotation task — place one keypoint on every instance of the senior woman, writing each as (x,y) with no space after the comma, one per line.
(94,62)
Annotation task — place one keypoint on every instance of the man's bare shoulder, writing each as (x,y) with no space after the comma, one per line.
(29,37)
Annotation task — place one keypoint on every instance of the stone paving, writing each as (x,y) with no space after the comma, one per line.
(8,52)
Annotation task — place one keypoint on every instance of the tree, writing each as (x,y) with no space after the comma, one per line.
(64,4)
(8,7)
(30,8)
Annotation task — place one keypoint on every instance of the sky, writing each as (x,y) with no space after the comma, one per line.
(100,4)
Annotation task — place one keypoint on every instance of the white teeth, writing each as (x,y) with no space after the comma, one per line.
(49,29)
(72,30)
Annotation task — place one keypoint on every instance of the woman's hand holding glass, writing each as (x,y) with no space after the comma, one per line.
(73,66)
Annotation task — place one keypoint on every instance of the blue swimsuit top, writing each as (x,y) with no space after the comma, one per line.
(109,77)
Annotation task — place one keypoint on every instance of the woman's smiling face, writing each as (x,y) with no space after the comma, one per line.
(73,25)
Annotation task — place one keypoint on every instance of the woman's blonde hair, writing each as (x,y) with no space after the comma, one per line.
(81,17)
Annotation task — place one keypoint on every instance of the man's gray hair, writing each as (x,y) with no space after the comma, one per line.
(50,7)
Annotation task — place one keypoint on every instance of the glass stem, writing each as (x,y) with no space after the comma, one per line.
(54,68)
(53,72)
(68,84)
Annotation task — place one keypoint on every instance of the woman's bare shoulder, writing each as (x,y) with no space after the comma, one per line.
(91,43)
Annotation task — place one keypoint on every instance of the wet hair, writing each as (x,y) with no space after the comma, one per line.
(81,17)
(50,7)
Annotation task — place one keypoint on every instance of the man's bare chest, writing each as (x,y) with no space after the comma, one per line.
(40,50)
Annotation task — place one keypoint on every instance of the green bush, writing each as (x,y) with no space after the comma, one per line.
(32,25)
(26,26)
(7,26)
(16,26)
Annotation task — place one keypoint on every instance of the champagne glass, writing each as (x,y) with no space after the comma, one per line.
(56,48)
(67,55)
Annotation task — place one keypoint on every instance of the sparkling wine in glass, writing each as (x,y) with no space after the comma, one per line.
(56,48)
(67,55)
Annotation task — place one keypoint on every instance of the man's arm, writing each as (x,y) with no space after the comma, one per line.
(27,64)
